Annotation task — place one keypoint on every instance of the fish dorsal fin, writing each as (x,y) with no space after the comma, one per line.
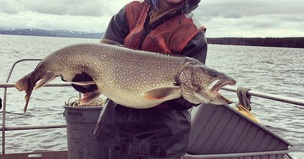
(110,42)
(160,93)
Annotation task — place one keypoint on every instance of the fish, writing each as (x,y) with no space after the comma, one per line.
(133,78)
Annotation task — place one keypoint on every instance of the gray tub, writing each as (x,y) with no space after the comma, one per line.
(82,144)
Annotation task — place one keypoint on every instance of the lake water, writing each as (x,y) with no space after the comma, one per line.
(265,69)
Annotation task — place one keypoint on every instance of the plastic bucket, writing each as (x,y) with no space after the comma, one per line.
(82,143)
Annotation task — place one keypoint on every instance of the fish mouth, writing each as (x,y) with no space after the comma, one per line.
(218,84)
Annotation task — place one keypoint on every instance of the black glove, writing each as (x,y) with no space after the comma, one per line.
(180,104)
(84,77)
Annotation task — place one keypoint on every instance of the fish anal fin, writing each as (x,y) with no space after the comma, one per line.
(170,92)
(89,96)
(45,79)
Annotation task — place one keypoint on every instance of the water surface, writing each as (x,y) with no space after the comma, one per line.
(265,69)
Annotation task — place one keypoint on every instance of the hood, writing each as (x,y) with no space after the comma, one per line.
(192,4)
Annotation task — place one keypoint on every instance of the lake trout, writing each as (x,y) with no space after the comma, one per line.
(132,78)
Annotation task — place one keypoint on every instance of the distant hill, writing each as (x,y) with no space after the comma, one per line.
(53,33)
(294,42)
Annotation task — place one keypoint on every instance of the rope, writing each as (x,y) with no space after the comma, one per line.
(244,97)
(244,103)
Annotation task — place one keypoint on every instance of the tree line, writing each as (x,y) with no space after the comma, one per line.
(293,42)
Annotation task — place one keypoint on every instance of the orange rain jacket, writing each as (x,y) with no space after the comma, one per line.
(169,37)
(154,132)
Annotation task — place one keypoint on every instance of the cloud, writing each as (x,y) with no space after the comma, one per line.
(53,22)
(60,7)
(254,26)
(232,8)
(9,7)
(90,16)
(257,18)
(228,18)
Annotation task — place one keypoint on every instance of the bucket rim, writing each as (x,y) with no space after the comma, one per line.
(83,108)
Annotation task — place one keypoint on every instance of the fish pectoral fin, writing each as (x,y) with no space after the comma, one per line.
(163,92)
(89,96)
(84,83)
(45,79)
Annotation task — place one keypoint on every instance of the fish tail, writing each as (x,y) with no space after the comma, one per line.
(26,84)
(22,84)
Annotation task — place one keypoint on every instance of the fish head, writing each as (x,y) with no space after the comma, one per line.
(201,84)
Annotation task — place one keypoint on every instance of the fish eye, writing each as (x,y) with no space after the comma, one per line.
(213,74)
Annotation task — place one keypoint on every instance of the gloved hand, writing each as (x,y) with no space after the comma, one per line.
(180,104)
(83,77)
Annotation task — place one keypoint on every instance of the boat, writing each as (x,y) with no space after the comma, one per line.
(220,132)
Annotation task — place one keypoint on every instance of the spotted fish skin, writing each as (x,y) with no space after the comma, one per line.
(133,78)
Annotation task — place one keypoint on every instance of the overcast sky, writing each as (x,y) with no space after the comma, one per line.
(223,18)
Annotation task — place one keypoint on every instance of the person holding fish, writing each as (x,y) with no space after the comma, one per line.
(164,26)
(152,78)
(150,90)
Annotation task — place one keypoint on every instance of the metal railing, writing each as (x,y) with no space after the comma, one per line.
(280,98)
(5,86)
